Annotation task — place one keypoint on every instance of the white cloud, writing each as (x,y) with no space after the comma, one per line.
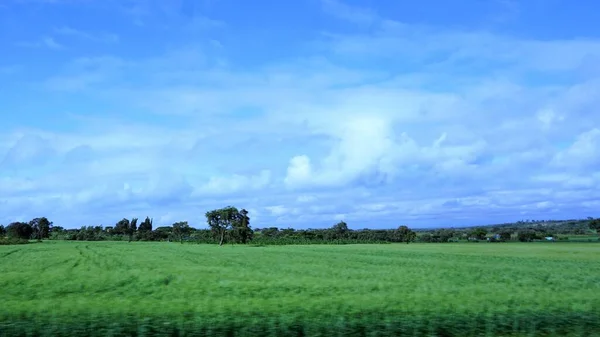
(236,183)
(396,124)
(299,172)
(548,118)
(583,152)
(278,210)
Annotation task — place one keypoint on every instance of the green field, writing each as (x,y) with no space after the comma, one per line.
(114,288)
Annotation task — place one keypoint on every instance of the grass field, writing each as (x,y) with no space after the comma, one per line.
(114,288)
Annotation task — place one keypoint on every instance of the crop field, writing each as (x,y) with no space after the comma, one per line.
(172,289)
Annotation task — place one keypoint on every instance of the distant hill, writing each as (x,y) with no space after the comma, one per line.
(572,226)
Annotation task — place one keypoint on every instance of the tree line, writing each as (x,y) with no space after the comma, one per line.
(230,225)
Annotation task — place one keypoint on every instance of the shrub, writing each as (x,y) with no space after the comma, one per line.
(13,241)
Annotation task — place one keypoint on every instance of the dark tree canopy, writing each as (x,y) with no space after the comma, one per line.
(122,227)
(181,229)
(19,230)
(405,234)
(528,235)
(340,230)
(479,233)
(595,225)
(145,226)
(505,235)
(242,232)
(41,228)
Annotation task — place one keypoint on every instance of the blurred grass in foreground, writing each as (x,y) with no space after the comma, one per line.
(169,289)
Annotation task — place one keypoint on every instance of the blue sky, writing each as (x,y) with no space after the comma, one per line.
(380,113)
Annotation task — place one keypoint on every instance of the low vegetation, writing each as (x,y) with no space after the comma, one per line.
(230,225)
(169,289)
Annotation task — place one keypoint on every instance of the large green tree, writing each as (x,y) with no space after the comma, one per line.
(528,235)
(19,230)
(479,233)
(145,226)
(242,232)
(2,231)
(405,234)
(229,223)
(181,229)
(340,230)
(442,235)
(41,228)
(145,229)
(505,235)
(122,227)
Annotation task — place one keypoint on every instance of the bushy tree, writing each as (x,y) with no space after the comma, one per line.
(241,231)
(442,235)
(181,229)
(405,234)
(145,230)
(121,227)
(90,233)
(426,237)
(229,223)
(145,226)
(340,230)
(527,235)
(479,233)
(19,230)
(2,231)
(41,228)
(271,232)
(505,235)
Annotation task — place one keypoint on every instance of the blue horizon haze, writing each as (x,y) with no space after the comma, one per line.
(305,113)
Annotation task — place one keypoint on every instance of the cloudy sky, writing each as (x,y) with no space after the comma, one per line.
(380,113)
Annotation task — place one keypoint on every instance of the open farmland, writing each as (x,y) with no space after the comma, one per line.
(119,288)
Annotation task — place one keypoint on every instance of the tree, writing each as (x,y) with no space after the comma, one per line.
(181,229)
(479,233)
(340,230)
(270,232)
(595,225)
(41,228)
(527,235)
(145,226)
(222,223)
(2,231)
(19,230)
(163,233)
(133,225)
(132,228)
(242,232)
(405,234)
(442,235)
(505,235)
(145,230)
(122,227)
